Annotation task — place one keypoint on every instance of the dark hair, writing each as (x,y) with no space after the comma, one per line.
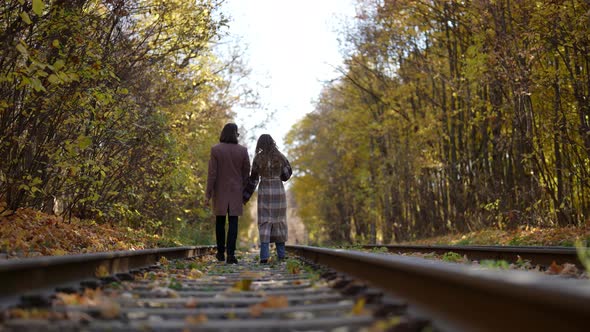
(266,145)
(229,134)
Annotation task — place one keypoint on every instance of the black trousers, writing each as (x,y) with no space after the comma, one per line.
(232,234)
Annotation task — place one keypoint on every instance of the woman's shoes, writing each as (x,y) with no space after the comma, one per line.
(265,261)
(232,260)
(220,256)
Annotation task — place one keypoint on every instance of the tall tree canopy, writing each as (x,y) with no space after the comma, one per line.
(108,107)
(450,116)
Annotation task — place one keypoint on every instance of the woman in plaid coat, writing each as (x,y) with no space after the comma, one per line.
(270,168)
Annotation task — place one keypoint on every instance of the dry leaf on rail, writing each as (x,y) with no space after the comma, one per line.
(164,292)
(78,316)
(385,324)
(242,285)
(164,261)
(276,302)
(58,252)
(270,302)
(31,313)
(256,310)
(196,319)
(191,303)
(554,268)
(101,272)
(251,275)
(195,274)
(359,307)
(68,299)
(569,269)
(110,309)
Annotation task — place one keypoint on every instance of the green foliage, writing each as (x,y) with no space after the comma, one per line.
(452,257)
(109,109)
(495,264)
(523,263)
(175,284)
(517,241)
(380,250)
(583,253)
(464,242)
(449,117)
(351,246)
(293,266)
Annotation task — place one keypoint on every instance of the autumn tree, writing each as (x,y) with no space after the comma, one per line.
(108,107)
(460,115)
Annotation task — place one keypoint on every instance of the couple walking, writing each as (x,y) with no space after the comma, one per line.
(231,183)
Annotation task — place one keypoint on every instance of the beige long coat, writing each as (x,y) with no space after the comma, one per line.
(229,166)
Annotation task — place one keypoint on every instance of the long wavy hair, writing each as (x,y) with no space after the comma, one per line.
(266,148)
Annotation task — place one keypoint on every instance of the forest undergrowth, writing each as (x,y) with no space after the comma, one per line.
(30,233)
(522,236)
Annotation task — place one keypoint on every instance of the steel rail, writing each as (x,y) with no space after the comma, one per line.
(537,255)
(471,298)
(19,277)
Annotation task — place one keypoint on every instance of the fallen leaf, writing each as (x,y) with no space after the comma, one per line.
(110,310)
(164,292)
(256,310)
(164,261)
(78,316)
(276,302)
(58,252)
(68,299)
(196,319)
(270,302)
(554,268)
(251,275)
(102,271)
(359,307)
(242,285)
(195,274)
(191,303)
(569,269)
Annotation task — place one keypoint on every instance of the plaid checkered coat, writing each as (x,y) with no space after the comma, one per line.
(272,202)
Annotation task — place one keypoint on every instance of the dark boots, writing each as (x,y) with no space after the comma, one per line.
(232,260)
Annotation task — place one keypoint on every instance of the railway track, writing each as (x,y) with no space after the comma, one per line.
(539,255)
(200,294)
(326,289)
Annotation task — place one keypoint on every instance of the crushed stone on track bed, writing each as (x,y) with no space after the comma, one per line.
(201,294)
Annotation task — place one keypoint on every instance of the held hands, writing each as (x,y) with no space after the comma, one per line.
(246,195)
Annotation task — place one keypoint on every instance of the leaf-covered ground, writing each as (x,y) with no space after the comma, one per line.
(524,236)
(30,233)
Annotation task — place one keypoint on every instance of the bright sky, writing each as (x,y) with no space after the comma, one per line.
(292,47)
